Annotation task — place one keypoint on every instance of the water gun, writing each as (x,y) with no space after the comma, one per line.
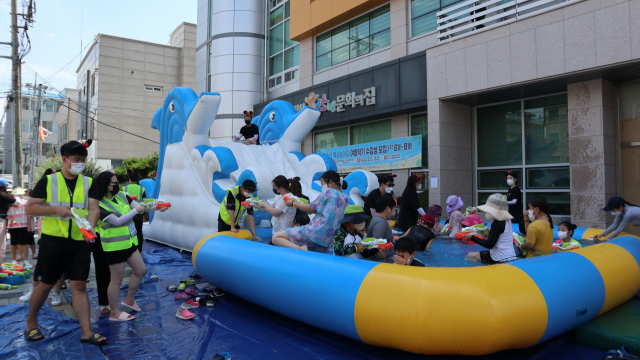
(10,272)
(8,287)
(519,240)
(559,246)
(80,218)
(372,243)
(250,202)
(477,229)
(293,198)
(445,229)
(471,210)
(157,203)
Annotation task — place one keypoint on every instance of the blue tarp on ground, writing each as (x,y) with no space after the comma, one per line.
(236,326)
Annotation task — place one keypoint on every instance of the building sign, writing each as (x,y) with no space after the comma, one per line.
(368,97)
(382,155)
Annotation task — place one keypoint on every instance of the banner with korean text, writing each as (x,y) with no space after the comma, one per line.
(378,156)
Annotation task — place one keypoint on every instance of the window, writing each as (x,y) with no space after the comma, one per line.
(25,104)
(93,84)
(209,68)
(371,132)
(26,125)
(367,33)
(50,105)
(423,14)
(283,53)
(331,138)
(153,88)
(541,162)
(45,147)
(116,163)
(49,126)
(62,134)
(419,127)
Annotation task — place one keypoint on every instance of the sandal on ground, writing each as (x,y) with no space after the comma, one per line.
(191,292)
(133,307)
(190,304)
(185,314)
(93,340)
(221,356)
(189,281)
(103,308)
(209,289)
(33,335)
(182,286)
(211,300)
(182,296)
(172,288)
(124,316)
(218,292)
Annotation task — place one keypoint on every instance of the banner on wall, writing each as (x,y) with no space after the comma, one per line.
(400,153)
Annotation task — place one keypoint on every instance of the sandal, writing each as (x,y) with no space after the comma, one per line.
(221,356)
(182,296)
(133,307)
(172,288)
(211,300)
(185,314)
(32,334)
(93,340)
(190,304)
(218,292)
(182,286)
(103,308)
(191,292)
(124,316)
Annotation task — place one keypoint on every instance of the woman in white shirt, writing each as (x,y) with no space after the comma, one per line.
(283,215)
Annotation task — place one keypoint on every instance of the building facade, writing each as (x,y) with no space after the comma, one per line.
(121,84)
(544,88)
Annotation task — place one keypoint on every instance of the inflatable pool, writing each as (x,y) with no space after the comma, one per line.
(470,311)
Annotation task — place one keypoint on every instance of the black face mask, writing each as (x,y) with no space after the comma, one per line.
(248,122)
(116,189)
(275,191)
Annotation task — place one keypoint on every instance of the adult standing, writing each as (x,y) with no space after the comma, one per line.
(329,207)
(410,208)
(6,201)
(386,187)
(134,189)
(63,248)
(17,228)
(539,227)
(625,214)
(283,215)
(249,131)
(514,200)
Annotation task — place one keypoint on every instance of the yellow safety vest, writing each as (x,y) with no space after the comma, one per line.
(135,190)
(239,209)
(58,195)
(113,237)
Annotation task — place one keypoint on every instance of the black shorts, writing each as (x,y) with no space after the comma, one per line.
(59,256)
(119,256)
(222,226)
(20,236)
(485,257)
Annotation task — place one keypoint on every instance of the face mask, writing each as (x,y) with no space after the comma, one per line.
(275,191)
(77,168)
(532,217)
(116,189)
(248,122)
(509,182)
(489,217)
(360,226)
(562,234)
(247,195)
(324,187)
(418,186)
(388,190)
(615,213)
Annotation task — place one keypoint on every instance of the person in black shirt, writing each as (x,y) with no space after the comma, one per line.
(422,234)
(410,208)
(6,201)
(386,187)
(514,199)
(249,131)
(405,252)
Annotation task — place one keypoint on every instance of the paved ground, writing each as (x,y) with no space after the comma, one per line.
(11,296)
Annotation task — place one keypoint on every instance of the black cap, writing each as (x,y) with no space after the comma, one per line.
(512,173)
(384,178)
(249,185)
(73,145)
(614,203)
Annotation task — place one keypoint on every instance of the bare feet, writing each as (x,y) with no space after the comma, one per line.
(304,247)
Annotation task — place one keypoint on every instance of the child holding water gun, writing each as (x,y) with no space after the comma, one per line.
(283,215)
(566,243)
(347,241)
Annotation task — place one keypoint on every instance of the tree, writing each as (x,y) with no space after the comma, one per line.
(146,166)
(92,169)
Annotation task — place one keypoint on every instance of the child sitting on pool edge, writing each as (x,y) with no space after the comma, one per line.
(405,252)
(566,242)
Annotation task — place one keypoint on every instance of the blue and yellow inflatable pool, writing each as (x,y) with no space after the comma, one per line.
(470,311)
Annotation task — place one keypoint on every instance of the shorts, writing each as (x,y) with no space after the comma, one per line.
(222,226)
(485,257)
(59,256)
(20,236)
(119,256)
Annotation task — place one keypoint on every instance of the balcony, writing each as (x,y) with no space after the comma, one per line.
(473,16)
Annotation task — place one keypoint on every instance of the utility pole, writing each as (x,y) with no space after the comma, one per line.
(36,133)
(17,97)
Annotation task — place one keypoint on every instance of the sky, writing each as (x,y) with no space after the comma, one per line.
(61,26)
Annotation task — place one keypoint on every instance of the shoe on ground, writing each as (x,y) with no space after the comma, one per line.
(34,256)
(218,292)
(26,263)
(211,300)
(56,299)
(18,257)
(26,297)
(15,262)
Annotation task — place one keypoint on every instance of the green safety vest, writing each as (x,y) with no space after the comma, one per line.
(135,190)
(239,209)
(113,237)
(58,195)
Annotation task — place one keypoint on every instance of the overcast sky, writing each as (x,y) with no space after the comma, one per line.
(61,26)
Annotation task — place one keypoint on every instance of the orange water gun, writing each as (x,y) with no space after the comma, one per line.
(79,217)
(157,203)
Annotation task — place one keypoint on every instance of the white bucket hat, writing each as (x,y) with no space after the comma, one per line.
(497,206)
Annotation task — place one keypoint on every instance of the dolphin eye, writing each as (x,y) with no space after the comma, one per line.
(172,108)
(272,116)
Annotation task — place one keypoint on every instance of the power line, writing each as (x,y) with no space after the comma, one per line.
(100,122)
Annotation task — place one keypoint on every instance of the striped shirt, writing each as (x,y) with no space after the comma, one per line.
(16,216)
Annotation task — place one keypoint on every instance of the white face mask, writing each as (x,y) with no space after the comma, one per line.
(388,190)
(247,195)
(489,217)
(562,234)
(509,182)
(615,213)
(532,217)
(77,168)
(324,187)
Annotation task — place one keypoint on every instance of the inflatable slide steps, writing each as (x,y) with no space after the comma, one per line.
(619,327)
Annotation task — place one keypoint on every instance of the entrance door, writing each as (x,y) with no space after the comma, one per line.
(630,145)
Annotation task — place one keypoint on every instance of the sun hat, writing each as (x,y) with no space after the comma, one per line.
(454,203)
(614,203)
(354,214)
(497,206)
(472,220)
(428,219)
(434,211)
(18,191)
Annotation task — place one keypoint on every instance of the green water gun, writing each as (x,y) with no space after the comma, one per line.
(8,287)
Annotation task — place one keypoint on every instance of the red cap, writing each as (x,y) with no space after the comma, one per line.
(428,219)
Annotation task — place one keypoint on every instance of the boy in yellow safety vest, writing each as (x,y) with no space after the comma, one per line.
(232,211)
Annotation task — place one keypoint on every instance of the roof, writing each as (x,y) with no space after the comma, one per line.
(46,95)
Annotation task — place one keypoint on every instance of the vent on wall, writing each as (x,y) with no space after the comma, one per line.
(153,88)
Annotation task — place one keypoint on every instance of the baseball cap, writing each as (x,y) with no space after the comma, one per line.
(614,203)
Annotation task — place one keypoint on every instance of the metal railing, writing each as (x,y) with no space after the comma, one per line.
(470,17)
